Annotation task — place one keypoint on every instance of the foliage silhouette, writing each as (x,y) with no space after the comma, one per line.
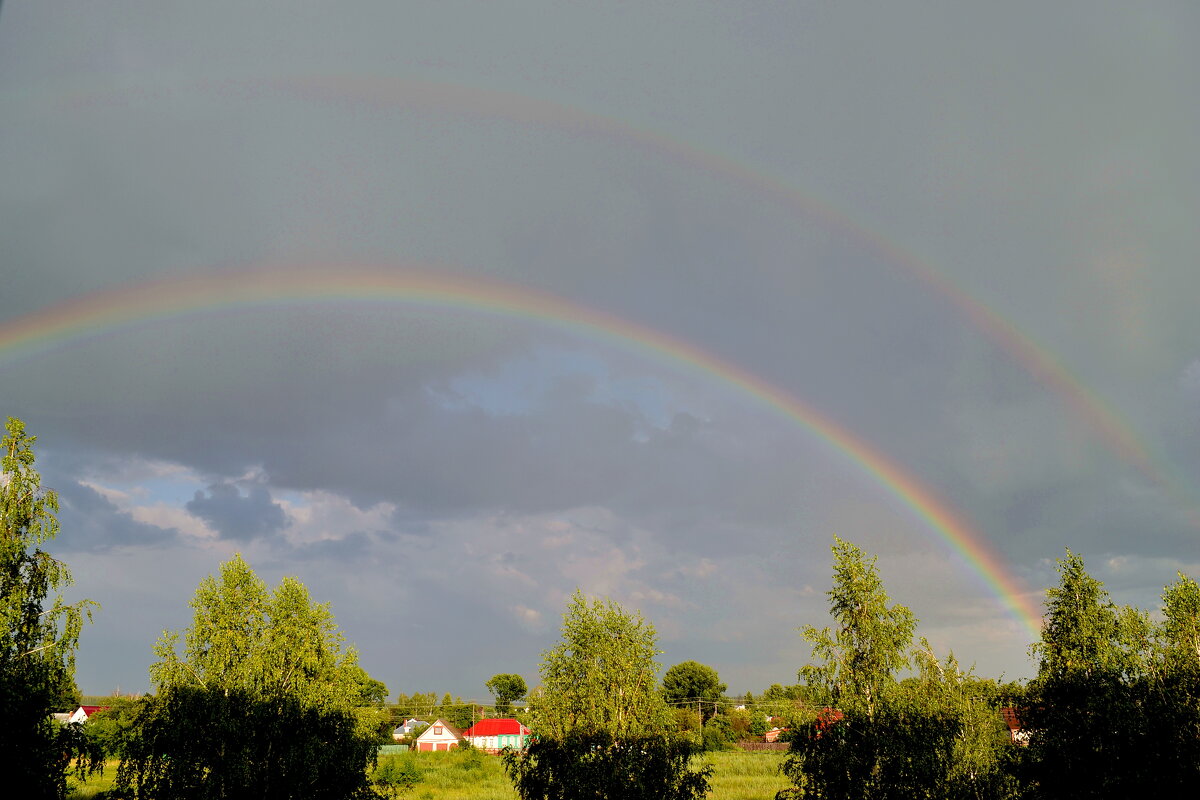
(37,643)
(595,765)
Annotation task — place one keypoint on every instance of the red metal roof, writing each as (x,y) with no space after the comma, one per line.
(496,727)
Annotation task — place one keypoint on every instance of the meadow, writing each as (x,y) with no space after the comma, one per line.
(473,776)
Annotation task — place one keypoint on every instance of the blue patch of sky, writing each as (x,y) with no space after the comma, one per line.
(175,490)
(520,385)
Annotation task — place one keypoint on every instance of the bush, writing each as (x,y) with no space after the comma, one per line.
(397,774)
(597,766)
(198,744)
(718,734)
(901,753)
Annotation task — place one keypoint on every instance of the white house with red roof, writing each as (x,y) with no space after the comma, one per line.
(440,735)
(494,735)
(83,713)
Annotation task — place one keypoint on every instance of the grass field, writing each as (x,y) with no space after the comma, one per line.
(97,783)
(473,776)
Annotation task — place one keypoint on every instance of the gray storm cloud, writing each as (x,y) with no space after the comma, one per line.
(778,168)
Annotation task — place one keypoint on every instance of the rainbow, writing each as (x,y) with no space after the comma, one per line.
(391,92)
(163,299)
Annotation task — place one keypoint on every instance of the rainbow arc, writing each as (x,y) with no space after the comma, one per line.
(95,314)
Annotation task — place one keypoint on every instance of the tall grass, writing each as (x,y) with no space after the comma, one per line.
(738,775)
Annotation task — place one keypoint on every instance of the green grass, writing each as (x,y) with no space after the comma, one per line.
(463,776)
(739,775)
(77,790)
(459,775)
(474,776)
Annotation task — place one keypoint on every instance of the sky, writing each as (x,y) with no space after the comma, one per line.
(451,309)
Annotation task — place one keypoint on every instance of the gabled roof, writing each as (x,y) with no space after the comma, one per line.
(411,723)
(89,710)
(447,727)
(1010,718)
(496,727)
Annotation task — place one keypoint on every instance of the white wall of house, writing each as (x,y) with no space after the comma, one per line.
(436,737)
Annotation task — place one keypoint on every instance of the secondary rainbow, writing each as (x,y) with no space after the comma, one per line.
(106,311)
(453,98)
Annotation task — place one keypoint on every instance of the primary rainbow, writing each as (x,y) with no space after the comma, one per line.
(114,309)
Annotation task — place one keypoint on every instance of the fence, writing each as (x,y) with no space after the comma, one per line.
(760,746)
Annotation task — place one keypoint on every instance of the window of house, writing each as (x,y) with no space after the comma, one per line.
(437,730)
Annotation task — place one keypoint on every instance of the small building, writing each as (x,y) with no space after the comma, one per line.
(440,735)
(774,734)
(84,713)
(407,727)
(494,735)
(1016,733)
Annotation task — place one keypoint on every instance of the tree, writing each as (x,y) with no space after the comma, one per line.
(1089,731)
(973,763)
(602,676)
(111,728)
(506,688)
(871,641)
(599,725)
(869,744)
(37,651)
(261,702)
(370,691)
(1173,700)
(1180,634)
(692,683)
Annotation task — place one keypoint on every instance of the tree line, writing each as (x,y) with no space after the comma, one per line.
(262,696)
(1113,712)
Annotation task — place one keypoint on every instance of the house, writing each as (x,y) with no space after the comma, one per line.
(494,735)
(440,735)
(407,727)
(1015,732)
(83,713)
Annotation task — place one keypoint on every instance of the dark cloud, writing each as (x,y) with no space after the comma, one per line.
(238,516)
(90,523)
(866,211)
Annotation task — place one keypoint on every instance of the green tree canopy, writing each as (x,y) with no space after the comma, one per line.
(1087,713)
(260,703)
(602,676)
(267,644)
(861,655)
(871,743)
(600,724)
(370,691)
(506,688)
(690,682)
(37,646)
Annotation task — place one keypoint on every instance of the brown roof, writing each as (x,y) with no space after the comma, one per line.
(453,731)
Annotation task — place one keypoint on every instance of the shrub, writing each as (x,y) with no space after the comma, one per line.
(597,766)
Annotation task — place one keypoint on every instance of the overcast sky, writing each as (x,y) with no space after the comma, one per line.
(963,232)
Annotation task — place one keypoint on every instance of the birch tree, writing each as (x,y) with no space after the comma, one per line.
(40,630)
(260,703)
(599,721)
(602,676)
(859,657)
